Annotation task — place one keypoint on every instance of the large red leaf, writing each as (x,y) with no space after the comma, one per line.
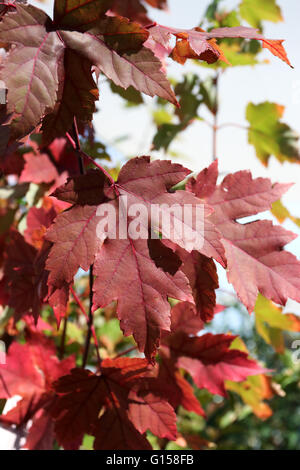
(128,407)
(121,263)
(31,69)
(142,70)
(254,251)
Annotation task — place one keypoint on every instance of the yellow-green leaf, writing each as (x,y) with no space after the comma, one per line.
(269,135)
(256,11)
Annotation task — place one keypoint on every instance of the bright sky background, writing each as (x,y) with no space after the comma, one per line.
(275,82)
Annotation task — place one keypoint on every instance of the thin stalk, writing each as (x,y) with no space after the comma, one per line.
(85,155)
(75,142)
(90,321)
(63,338)
(127,351)
(80,305)
(215,123)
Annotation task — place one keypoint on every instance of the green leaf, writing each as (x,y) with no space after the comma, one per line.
(165,135)
(131,95)
(256,11)
(271,322)
(269,135)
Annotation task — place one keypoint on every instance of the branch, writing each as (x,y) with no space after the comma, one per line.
(63,339)
(215,124)
(127,351)
(80,305)
(85,155)
(76,145)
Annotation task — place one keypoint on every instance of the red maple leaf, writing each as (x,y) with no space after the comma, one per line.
(117,406)
(140,182)
(256,260)
(29,372)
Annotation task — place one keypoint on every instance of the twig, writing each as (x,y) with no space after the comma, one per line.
(85,155)
(63,339)
(79,303)
(76,145)
(127,351)
(215,124)
(90,321)
(233,124)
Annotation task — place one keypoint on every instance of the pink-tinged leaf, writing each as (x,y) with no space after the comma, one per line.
(31,69)
(260,264)
(210,362)
(205,184)
(148,183)
(202,42)
(38,169)
(31,368)
(254,251)
(142,69)
(20,377)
